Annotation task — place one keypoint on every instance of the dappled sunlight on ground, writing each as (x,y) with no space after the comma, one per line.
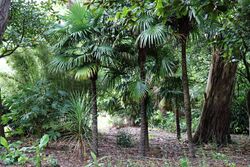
(104,122)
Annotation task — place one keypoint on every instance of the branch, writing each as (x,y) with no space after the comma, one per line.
(9,52)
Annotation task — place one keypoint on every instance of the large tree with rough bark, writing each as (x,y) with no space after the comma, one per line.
(215,118)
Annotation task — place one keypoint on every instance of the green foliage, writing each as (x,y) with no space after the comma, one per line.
(28,21)
(166,122)
(184,162)
(36,108)
(124,139)
(39,148)
(52,161)
(96,162)
(77,122)
(16,154)
(239,118)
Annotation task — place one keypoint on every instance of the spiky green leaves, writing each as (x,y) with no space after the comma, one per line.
(152,36)
(82,47)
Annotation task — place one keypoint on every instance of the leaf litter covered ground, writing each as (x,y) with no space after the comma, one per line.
(165,150)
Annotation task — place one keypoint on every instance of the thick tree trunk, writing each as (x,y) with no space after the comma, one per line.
(94,115)
(215,118)
(144,141)
(186,94)
(4,11)
(1,113)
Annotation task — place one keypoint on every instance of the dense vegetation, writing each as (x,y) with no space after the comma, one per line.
(175,65)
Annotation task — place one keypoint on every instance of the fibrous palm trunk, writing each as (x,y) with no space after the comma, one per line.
(94,115)
(4,11)
(186,94)
(144,141)
(177,118)
(215,118)
(248,111)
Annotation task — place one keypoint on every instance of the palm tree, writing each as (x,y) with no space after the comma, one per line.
(182,19)
(83,50)
(151,35)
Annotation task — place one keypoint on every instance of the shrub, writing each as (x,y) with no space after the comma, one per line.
(124,139)
(168,122)
(36,109)
(239,117)
(15,154)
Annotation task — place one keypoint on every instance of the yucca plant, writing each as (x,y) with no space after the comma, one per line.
(77,122)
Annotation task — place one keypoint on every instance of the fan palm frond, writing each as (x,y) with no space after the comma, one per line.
(62,64)
(78,17)
(138,89)
(154,35)
(86,71)
(143,23)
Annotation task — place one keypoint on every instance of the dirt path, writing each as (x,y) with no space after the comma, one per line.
(165,150)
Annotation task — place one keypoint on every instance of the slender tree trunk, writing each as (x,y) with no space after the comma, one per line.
(248,110)
(94,115)
(215,118)
(4,11)
(186,94)
(1,113)
(144,141)
(177,119)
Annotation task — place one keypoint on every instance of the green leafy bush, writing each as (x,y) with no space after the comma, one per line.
(124,139)
(15,154)
(239,117)
(168,123)
(36,109)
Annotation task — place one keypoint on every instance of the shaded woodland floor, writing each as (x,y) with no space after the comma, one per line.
(165,151)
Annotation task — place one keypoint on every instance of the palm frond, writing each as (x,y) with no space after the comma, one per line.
(62,64)
(86,71)
(79,17)
(138,89)
(154,35)
(143,23)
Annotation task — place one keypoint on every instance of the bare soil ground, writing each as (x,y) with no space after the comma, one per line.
(165,150)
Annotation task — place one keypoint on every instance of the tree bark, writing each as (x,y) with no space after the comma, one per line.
(94,115)
(4,12)
(177,118)
(215,118)
(144,141)
(248,110)
(186,94)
